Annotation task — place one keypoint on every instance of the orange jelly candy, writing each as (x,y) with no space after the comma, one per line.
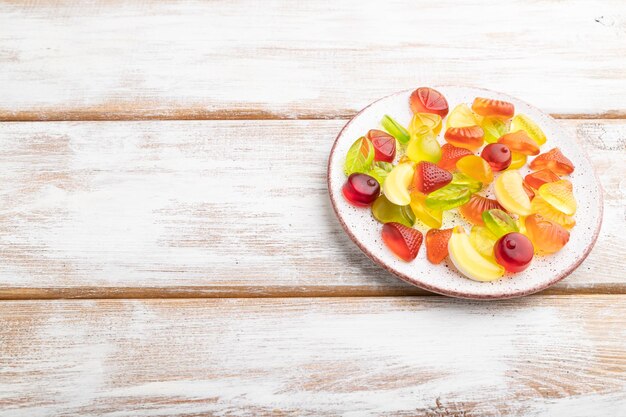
(450,154)
(520,142)
(468,137)
(473,209)
(547,236)
(475,167)
(537,179)
(494,108)
(437,244)
(555,161)
(540,206)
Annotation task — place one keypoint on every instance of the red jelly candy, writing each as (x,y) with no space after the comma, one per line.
(514,252)
(497,155)
(403,241)
(537,179)
(428,100)
(361,189)
(450,154)
(384,145)
(429,177)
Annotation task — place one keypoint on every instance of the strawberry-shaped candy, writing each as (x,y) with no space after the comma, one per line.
(428,100)
(403,241)
(494,108)
(520,142)
(450,154)
(473,209)
(437,244)
(537,179)
(384,145)
(429,177)
(468,137)
(555,161)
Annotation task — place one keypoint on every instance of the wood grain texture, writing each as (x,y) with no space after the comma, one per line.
(214,209)
(422,356)
(105,60)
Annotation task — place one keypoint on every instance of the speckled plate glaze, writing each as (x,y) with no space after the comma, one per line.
(544,271)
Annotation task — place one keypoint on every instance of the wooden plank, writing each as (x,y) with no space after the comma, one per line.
(213,208)
(212,60)
(538,356)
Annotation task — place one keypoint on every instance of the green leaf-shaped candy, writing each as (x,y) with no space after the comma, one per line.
(395,129)
(380,170)
(448,197)
(493,128)
(359,157)
(499,222)
(460,178)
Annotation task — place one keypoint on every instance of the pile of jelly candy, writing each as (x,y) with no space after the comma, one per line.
(410,181)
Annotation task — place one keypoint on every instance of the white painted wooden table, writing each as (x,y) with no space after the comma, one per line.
(159,257)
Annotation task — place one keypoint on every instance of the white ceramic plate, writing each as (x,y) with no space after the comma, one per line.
(544,271)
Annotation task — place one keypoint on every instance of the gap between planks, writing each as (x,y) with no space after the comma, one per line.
(104,293)
(120,115)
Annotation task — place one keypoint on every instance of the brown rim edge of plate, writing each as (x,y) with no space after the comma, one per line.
(447,292)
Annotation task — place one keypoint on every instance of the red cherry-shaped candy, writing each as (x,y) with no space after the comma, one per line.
(497,155)
(514,252)
(428,100)
(361,189)
(384,145)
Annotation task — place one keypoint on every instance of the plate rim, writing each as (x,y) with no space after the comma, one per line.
(444,291)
